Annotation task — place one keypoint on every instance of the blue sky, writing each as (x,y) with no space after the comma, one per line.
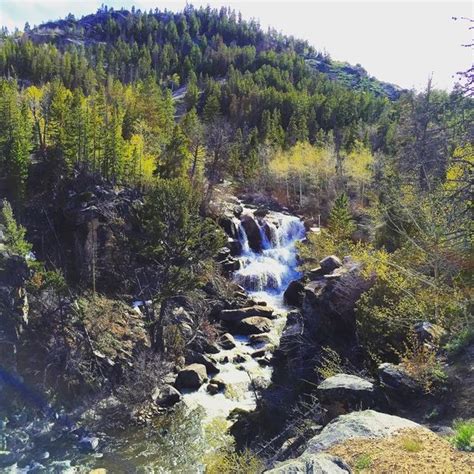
(401,41)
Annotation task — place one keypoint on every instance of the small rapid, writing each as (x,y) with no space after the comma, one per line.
(265,274)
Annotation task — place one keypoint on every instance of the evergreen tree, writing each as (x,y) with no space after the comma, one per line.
(175,159)
(341,224)
(15,138)
(14,234)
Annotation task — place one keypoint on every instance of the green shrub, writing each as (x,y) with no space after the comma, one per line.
(229,461)
(463,435)
(364,461)
(460,341)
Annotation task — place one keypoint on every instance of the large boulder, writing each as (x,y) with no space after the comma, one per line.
(312,463)
(329,308)
(193,357)
(329,264)
(397,383)
(293,295)
(254,325)
(252,230)
(236,315)
(191,377)
(358,424)
(343,393)
(166,396)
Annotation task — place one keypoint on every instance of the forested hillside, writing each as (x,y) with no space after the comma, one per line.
(125,138)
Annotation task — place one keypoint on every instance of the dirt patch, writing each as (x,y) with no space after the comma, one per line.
(408,451)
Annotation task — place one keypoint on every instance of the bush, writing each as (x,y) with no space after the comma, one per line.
(464,435)
(460,341)
(229,461)
(364,461)
(422,363)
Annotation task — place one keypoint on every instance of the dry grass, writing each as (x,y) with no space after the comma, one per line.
(408,451)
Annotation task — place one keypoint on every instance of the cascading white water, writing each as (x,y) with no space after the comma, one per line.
(272,269)
(265,276)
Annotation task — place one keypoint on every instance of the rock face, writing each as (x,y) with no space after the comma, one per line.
(254,325)
(236,315)
(227,223)
(253,232)
(13,306)
(312,463)
(329,306)
(358,424)
(342,393)
(294,294)
(191,377)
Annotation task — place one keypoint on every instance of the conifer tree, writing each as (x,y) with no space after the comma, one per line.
(341,225)
(15,138)
(14,234)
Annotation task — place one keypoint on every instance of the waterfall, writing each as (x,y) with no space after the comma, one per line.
(244,241)
(272,269)
(263,235)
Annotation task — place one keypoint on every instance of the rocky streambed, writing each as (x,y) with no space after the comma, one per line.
(225,377)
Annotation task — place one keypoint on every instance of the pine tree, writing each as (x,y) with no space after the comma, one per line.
(175,159)
(14,234)
(341,225)
(15,138)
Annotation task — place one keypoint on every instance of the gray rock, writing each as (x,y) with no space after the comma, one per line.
(166,396)
(358,424)
(254,325)
(293,295)
(236,315)
(198,358)
(222,254)
(227,341)
(240,358)
(395,380)
(253,232)
(212,389)
(259,340)
(219,382)
(89,443)
(312,464)
(342,393)
(210,347)
(191,377)
(329,264)
(315,273)
(234,246)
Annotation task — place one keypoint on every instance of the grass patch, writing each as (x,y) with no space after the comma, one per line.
(463,437)
(411,445)
(364,461)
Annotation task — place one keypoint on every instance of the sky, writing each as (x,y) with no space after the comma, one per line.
(399,41)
